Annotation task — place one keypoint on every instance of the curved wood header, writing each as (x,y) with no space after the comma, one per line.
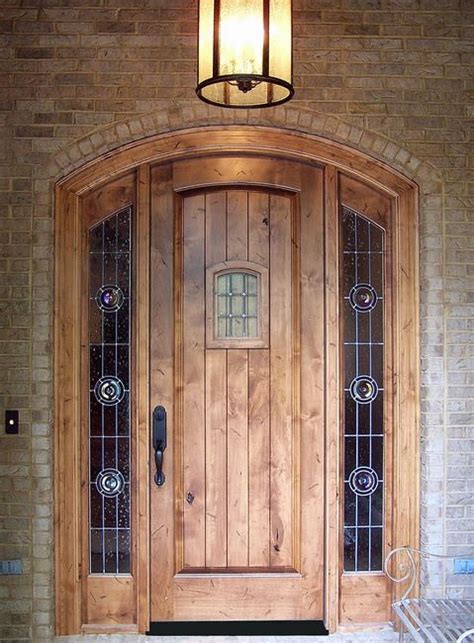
(228,140)
(349,177)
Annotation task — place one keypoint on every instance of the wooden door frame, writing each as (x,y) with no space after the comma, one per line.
(191,143)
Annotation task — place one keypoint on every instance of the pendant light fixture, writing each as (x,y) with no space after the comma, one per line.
(245,55)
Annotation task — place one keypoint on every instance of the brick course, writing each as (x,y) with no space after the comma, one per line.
(392,77)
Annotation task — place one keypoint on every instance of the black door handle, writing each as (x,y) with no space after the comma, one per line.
(159,442)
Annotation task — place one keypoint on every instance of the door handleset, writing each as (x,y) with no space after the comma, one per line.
(159,442)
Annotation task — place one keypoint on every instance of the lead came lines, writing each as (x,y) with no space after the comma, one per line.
(363,391)
(109,486)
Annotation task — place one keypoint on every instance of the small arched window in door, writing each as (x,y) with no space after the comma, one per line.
(237,305)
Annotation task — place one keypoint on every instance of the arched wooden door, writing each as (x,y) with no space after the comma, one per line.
(260,302)
(237,360)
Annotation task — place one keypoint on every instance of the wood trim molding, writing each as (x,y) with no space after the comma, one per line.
(247,267)
(267,144)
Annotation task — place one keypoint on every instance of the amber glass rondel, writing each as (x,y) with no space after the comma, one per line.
(245,52)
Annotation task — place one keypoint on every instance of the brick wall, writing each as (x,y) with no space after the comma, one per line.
(401,69)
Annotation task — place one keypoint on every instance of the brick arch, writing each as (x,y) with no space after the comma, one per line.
(293,118)
(105,141)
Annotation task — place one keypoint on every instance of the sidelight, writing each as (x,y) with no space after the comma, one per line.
(109,394)
(363,354)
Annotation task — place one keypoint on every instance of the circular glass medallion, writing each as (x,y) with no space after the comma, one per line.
(363,481)
(363,298)
(364,389)
(109,390)
(110,482)
(109,298)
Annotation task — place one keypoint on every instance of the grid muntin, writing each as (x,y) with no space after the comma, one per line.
(121,567)
(373,531)
(229,297)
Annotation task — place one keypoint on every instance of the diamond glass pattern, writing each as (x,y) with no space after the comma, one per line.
(362,286)
(109,394)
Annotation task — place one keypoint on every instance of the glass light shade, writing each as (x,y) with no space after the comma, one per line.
(245,57)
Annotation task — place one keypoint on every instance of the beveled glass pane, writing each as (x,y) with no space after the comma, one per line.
(96,238)
(236,305)
(96,551)
(349,549)
(376,550)
(349,505)
(124,548)
(123,508)
(363,545)
(96,505)
(110,548)
(252,330)
(363,510)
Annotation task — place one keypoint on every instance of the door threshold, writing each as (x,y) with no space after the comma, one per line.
(237,628)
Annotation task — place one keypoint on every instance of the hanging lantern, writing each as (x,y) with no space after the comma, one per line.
(245,57)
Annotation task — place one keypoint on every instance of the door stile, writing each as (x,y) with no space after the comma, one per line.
(162,378)
(141,442)
(312,398)
(67,384)
(333,462)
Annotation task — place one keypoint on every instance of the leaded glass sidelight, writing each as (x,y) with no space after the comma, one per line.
(362,291)
(109,394)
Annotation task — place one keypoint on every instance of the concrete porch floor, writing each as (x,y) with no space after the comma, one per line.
(368,636)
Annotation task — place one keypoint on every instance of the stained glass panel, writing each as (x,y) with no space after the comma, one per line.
(362,286)
(109,394)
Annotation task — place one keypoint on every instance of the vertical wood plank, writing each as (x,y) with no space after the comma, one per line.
(67,414)
(406,448)
(162,342)
(259,458)
(333,526)
(312,379)
(237,458)
(193,380)
(237,224)
(259,401)
(259,227)
(216,228)
(281,375)
(142,404)
(216,458)
(216,402)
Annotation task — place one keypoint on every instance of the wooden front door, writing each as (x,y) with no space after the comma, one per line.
(237,356)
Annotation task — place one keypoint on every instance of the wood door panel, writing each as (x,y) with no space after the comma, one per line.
(191,388)
(230,402)
(238,415)
(283,371)
(258,458)
(216,458)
